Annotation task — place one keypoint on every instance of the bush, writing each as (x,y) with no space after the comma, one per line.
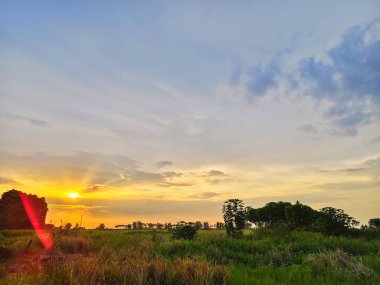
(184,230)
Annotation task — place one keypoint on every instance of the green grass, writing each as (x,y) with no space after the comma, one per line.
(262,256)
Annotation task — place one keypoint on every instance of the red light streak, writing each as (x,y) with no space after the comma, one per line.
(38,225)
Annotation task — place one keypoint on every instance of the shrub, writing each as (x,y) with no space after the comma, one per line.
(184,230)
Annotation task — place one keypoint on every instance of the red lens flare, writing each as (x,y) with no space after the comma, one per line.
(37,224)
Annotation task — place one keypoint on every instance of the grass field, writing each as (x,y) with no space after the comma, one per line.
(151,257)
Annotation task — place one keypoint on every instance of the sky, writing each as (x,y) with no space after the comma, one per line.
(161,110)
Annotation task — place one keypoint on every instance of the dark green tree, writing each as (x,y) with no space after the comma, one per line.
(256,216)
(299,216)
(234,217)
(274,212)
(334,221)
(13,214)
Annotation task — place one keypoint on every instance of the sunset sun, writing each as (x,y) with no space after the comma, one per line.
(73,195)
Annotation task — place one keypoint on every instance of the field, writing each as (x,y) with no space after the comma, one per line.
(262,256)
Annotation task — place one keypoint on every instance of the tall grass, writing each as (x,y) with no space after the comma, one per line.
(261,256)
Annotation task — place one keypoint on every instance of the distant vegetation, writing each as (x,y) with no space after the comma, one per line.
(327,220)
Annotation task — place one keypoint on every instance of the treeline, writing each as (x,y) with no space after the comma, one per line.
(138,225)
(328,220)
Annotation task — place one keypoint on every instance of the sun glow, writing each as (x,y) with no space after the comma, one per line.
(73,195)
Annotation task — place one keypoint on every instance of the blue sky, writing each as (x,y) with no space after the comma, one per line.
(259,101)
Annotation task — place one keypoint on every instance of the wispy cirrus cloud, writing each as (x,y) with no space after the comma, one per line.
(33,121)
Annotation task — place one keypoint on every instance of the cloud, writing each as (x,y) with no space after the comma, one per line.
(354,66)
(260,79)
(343,132)
(32,121)
(4,180)
(96,188)
(215,173)
(347,82)
(350,79)
(374,140)
(163,163)
(372,168)
(172,210)
(139,175)
(205,195)
(83,168)
(172,174)
(174,184)
(71,207)
(369,168)
(309,129)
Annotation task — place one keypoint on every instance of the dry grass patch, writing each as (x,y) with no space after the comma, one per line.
(340,261)
(135,267)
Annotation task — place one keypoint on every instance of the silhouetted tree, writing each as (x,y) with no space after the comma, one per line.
(219,225)
(138,225)
(68,227)
(206,226)
(159,226)
(198,225)
(168,226)
(374,223)
(121,226)
(101,227)
(234,217)
(13,214)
